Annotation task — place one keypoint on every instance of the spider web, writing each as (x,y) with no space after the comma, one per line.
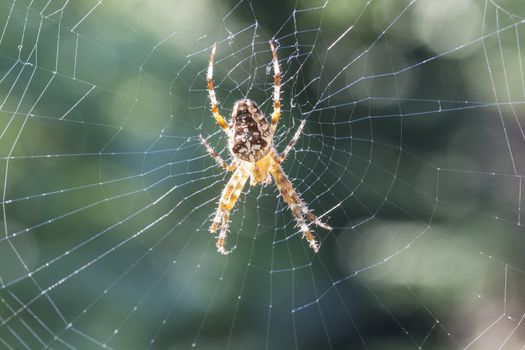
(413,150)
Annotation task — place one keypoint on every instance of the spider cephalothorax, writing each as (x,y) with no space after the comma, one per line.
(250,140)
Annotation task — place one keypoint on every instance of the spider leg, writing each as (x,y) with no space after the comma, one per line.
(281,157)
(225,196)
(211,91)
(297,206)
(276,89)
(217,157)
(229,197)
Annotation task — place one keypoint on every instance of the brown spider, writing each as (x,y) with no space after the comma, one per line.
(250,140)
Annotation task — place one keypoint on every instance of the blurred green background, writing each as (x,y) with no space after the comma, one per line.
(413,151)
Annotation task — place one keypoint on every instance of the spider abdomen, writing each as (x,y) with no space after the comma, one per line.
(250,138)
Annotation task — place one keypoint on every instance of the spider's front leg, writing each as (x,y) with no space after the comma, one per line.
(276,89)
(229,197)
(211,91)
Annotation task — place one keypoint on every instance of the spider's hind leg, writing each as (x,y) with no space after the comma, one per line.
(229,197)
(297,206)
(315,220)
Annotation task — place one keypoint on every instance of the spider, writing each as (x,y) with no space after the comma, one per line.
(250,141)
